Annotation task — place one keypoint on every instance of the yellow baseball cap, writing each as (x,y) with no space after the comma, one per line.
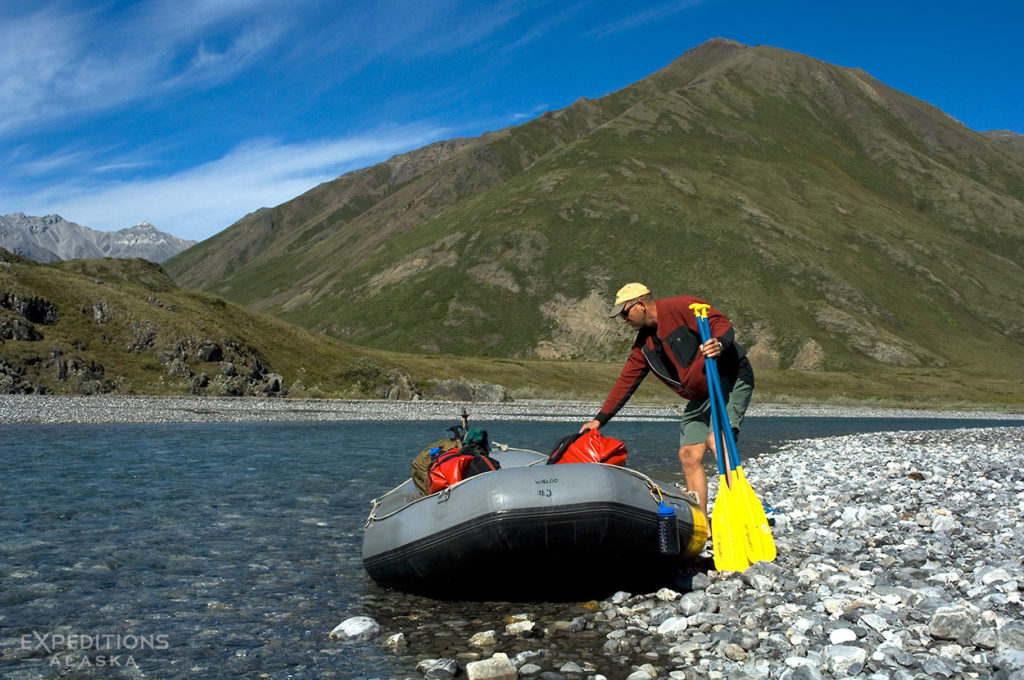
(630,291)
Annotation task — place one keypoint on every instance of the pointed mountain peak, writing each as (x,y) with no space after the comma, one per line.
(790,187)
(51,238)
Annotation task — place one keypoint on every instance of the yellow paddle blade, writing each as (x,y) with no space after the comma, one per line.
(746,530)
(761,545)
(741,521)
(728,530)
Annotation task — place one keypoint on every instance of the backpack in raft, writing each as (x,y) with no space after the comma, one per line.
(477,445)
(421,463)
(588,447)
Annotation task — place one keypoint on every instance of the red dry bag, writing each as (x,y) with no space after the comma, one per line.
(447,469)
(588,447)
(455,465)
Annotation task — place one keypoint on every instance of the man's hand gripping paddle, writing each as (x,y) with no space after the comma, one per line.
(745,514)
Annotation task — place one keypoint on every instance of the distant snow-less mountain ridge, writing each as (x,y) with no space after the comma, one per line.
(52,238)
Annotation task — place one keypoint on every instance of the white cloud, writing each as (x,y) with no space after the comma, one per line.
(72,59)
(56,62)
(57,161)
(201,201)
(244,46)
(647,16)
(66,64)
(545,26)
(38,55)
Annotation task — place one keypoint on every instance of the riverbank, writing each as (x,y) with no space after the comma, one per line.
(898,557)
(57,409)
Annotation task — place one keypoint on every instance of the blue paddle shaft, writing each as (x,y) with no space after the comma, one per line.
(719,417)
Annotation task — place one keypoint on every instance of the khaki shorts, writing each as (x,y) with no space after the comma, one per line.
(696,423)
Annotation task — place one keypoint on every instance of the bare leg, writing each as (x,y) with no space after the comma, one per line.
(692,459)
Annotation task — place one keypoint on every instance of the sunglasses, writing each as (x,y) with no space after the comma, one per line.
(625,310)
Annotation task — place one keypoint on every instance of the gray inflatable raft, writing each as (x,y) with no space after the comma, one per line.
(530,531)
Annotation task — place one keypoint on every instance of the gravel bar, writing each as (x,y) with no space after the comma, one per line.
(55,409)
(899,557)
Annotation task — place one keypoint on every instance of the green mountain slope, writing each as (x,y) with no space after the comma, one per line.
(843,225)
(123,326)
(106,325)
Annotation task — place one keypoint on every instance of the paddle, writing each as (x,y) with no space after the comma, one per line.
(759,543)
(726,524)
(761,546)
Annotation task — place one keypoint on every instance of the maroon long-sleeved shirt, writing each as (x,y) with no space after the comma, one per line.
(671,351)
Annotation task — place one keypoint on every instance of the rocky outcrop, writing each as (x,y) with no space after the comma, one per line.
(32,309)
(209,351)
(12,379)
(236,371)
(810,357)
(400,387)
(145,335)
(84,376)
(100,312)
(89,376)
(16,328)
(19,315)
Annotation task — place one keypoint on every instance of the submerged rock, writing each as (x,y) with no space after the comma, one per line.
(357,628)
(497,667)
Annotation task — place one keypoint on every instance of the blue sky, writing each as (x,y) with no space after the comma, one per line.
(192,113)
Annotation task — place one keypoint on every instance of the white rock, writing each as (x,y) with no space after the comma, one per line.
(990,575)
(485,639)
(835,605)
(838,659)
(672,627)
(798,661)
(520,627)
(645,672)
(854,516)
(498,667)
(437,668)
(874,621)
(667,595)
(842,635)
(357,628)
(396,641)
